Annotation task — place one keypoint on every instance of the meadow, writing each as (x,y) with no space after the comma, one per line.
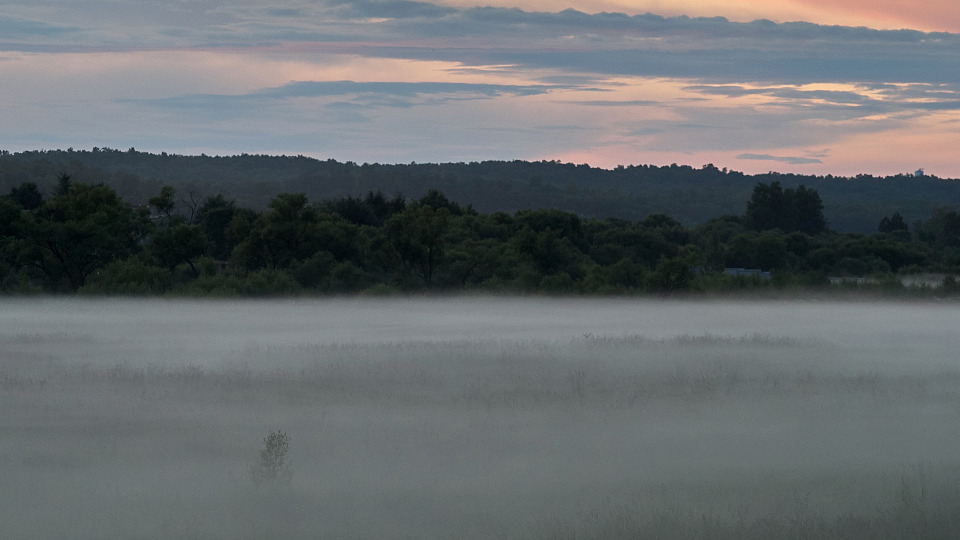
(522,418)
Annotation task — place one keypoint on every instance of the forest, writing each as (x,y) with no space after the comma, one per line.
(690,195)
(85,238)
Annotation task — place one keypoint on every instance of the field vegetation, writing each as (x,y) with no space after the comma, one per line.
(594,419)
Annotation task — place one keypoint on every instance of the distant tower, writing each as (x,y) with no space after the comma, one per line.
(918,173)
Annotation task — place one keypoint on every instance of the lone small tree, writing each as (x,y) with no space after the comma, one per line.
(273,467)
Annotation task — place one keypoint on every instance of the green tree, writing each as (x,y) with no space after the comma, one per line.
(130,276)
(549,252)
(9,218)
(892,223)
(714,237)
(641,244)
(164,204)
(78,232)
(417,237)
(373,209)
(943,228)
(565,224)
(804,211)
(285,234)
(64,181)
(671,275)
(214,216)
(178,244)
(27,195)
(624,276)
(437,200)
(772,207)
(9,227)
(292,231)
(766,209)
(314,272)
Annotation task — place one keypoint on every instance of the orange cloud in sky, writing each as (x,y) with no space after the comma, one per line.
(928,15)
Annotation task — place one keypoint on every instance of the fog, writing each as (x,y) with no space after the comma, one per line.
(480,418)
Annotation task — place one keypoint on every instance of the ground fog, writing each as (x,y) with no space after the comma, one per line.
(480,418)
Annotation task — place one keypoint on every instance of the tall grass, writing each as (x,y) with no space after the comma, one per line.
(922,502)
(597,437)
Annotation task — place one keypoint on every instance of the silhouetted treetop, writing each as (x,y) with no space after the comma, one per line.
(790,210)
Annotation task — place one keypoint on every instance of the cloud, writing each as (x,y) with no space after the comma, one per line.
(781,159)
(14,27)
(858,101)
(391,9)
(356,94)
(614,103)
(844,97)
(284,12)
(572,42)
(402,89)
(415,79)
(893,14)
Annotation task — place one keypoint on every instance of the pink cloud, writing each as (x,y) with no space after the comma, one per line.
(928,15)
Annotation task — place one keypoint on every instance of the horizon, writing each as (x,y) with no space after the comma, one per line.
(908,174)
(814,89)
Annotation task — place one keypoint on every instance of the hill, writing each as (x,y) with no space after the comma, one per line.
(691,195)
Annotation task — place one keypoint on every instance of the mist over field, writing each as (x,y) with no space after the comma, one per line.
(480,418)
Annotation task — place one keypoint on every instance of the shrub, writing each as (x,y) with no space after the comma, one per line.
(273,467)
(132,276)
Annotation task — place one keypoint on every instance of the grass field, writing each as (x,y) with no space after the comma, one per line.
(480,418)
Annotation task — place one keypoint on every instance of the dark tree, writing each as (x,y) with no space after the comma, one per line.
(790,210)
(417,236)
(892,223)
(765,209)
(178,244)
(76,233)
(804,211)
(63,184)
(292,231)
(943,228)
(214,216)
(549,251)
(9,218)
(373,209)
(436,199)
(27,195)
(164,204)
(673,274)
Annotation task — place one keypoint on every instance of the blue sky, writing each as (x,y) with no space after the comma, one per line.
(810,87)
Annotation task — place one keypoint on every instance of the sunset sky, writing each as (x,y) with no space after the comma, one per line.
(808,86)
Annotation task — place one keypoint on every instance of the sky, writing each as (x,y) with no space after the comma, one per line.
(808,86)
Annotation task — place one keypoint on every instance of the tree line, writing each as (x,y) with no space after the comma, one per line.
(691,195)
(83,237)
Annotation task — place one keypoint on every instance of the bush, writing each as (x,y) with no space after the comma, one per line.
(132,276)
(273,467)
